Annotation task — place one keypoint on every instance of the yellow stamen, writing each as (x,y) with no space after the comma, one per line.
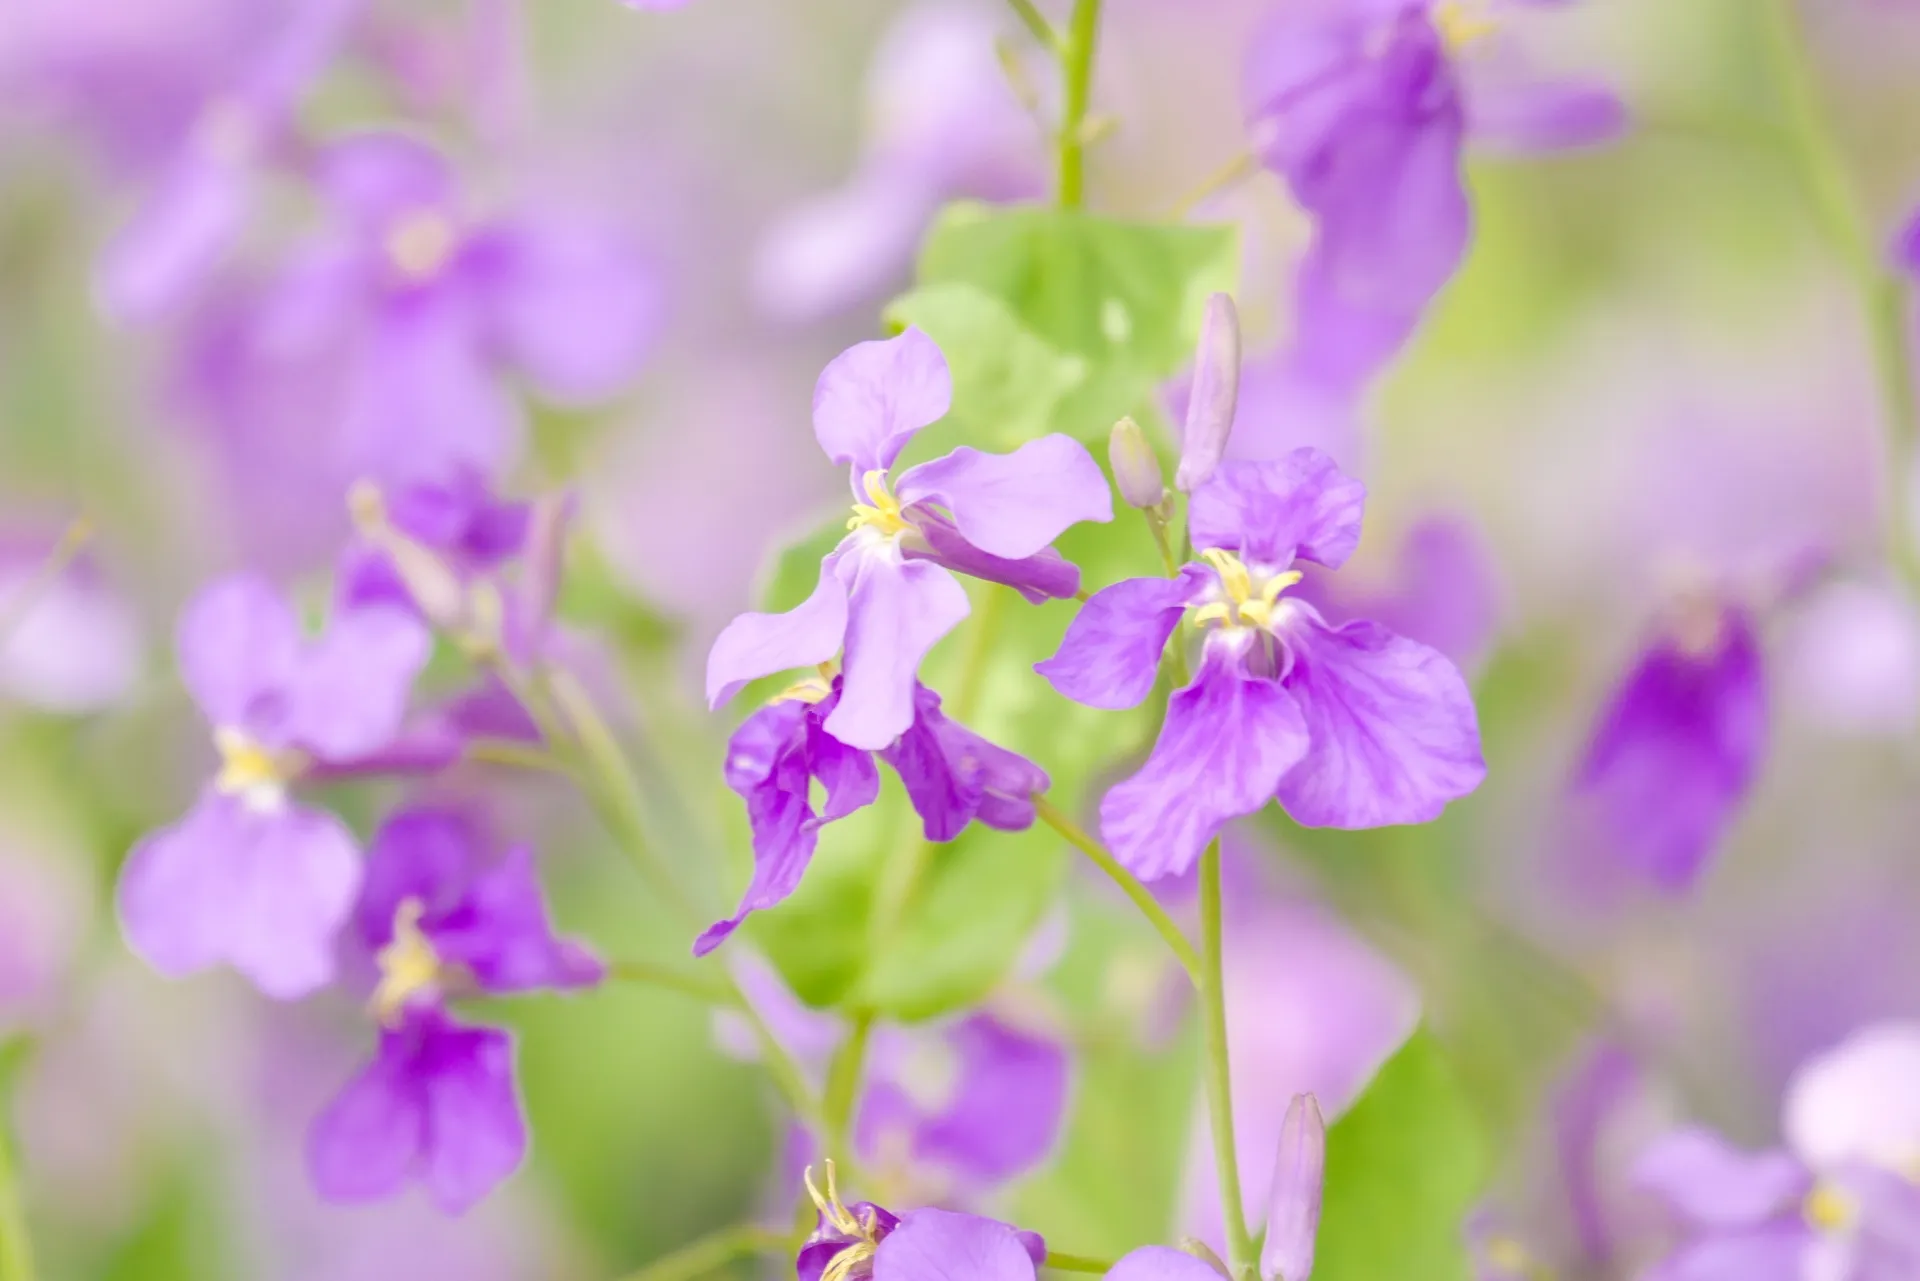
(1462,22)
(408,964)
(248,769)
(421,244)
(810,689)
(1828,1209)
(1245,606)
(865,1230)
(882,511)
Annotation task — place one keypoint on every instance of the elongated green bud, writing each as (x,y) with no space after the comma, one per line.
(1136,468)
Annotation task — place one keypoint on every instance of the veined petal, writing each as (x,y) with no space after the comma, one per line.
(1162,1263)
(896,611)
(1112,649)
(874,396)
(1716,1185)
(1228,740)
(1300,505)
(1013,505)
(1044,576)
(238,640)
(953,775)
(756,645)
(263,892)
(939,1245)
(1394,732)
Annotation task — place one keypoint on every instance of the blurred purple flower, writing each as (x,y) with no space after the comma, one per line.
(438,1101)
(886,593)
(69,643)
(1443,590)
(431,308)
(1363,108)
(1677,747)
(943,123)
(952,776)
(206,193)
(1347,727)
(1838,1204)
(249,877)
(1849,658)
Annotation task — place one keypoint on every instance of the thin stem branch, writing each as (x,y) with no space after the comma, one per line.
(73,540)
(505,751)
(843,1087)
(696,986)
(1240,1251)
(1037,23)
(704,1257)
(1077,1263)
(16,1246)
(1076,59)
(1223,179)
(1810,141)
(1129,885)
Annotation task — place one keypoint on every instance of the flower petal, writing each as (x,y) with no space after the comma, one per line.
(874,396)
(363,1144)
(1716,1185)
(1228,740)
(1161,1263)
(896,611)
(1300,505)
(1013,505)
(1530,116)
(177,239)
(939,1245)
(502,936)
(1857,1102)
(953,775)
(475,1131)
(1394,732)
(349,694)
(376,177)
(756,645)
(264,892)
(1772,1253)
(1111,652)
(1041,577)
(426,854)
(1007,1107)
(238,641)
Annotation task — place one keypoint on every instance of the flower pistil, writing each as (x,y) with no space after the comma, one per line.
(1248,603)
(882,510)
(257,775)
(408,964)
(863,1231)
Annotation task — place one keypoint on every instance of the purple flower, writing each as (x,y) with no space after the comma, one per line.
(1677,746)
(250,877)
(1347,727)
(1840,1204)
(864,1242)
(70,644)
(952,776)
(1363,107)
(204,197)
(886,594)
(1162,1263)
(430,307)
(437,1104)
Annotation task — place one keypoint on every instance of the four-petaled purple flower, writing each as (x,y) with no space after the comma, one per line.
(1678,745)
(1841,1205)
(437,1103)
(250,877)
(951,774)
(1347,727)
(886,593)
(865,1242)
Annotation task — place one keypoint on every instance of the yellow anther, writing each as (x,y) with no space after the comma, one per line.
(1462,22)
(1828,1209)
(881,511)
(810,690)
(248,769)
(1233,574)
(408,964)
(421,244)
(1245,604)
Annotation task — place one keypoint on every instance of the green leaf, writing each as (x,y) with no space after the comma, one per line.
(1404,1167)
(1125,297)
(1008,382)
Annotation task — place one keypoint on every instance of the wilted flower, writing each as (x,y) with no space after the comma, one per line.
(1840,1204)
(1346,727)
(438,1101)
(250,877)
(886,593)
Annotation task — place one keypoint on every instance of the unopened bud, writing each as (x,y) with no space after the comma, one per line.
(1136,468)
(1216,391)
(1293,1214)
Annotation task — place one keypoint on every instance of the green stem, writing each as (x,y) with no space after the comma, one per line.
(672,980)
(704,1257)
(1810,141)
(1076,61)
(16,1247)
(1077,1263)
(526,756)
(843,1088)
(1129,884)
(1240,1251)
(1037,23)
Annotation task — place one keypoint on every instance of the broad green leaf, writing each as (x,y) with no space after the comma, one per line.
(1404,1167)
(1125,297)
(1007,381)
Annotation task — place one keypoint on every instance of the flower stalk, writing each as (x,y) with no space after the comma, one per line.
(1076,61)
(1213,1000)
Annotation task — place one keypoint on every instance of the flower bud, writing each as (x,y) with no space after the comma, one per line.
(1293,1214)
(1136,468)
(1216,390)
